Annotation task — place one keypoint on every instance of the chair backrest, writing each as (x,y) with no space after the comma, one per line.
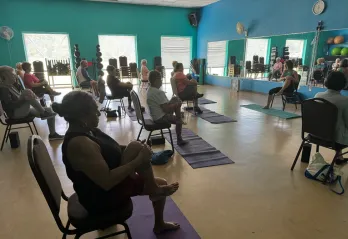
(319,118)
(45,174)
(137,107)
(20,80)
(318,75)
(174,86)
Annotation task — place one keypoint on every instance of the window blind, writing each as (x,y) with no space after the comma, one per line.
(216,56)
(175,49)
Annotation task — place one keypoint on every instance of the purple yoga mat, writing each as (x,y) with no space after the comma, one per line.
(142,220)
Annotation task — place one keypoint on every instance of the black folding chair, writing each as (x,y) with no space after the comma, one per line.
(319,118)
(290,98)
(149,124)
(47,178)
(4,120)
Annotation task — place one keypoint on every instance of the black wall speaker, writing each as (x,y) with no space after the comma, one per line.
(232,60)
(193,19)
(157,61)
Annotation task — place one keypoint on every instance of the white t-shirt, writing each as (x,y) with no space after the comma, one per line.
(156,98)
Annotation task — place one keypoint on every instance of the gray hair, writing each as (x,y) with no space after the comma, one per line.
(143,61)
(84,61)
(278,59)
(6,75)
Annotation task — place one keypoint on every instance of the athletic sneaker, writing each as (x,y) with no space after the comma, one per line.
(47,115)
(130,109)
(55,136)
(199,95)
(55,93)
(181,142)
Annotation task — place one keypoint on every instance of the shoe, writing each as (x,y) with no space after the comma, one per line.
(130,109)
(181,142)
(197,110)
(55,93)
(55,136)
(199,95)
(47,115)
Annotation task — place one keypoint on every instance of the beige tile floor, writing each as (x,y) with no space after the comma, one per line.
(257,197)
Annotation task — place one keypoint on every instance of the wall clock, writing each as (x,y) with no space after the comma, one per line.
(319,7)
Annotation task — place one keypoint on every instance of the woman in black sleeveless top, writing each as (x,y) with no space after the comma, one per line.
(105,174)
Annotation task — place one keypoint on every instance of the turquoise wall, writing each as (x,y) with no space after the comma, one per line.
(84,21)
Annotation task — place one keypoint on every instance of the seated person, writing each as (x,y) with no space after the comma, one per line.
(344,67)
(117,87)
(18,103)
(105,175)
(320,64)
(84,80)
(161,109)
(101,87)
(290,79)
(187,89)
(277,69)
(33,83)
(19,70)
(173,64)
(144,71)
(336,64)
(336,82)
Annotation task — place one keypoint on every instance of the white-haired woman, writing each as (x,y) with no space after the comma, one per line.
(277,69)
(18,103)
(144,71)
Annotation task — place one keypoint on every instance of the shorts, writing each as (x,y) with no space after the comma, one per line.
(189,93)
(166,119)
(273,91)
(85,84)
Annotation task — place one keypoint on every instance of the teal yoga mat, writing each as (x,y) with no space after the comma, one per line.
(273,112)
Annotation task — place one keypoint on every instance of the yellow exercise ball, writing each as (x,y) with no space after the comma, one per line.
(339,40)
(330,40)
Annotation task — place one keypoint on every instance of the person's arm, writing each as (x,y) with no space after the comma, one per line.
(85,74)
(165,105)
(182,77)
(5,98)
(33,81)
(85,156)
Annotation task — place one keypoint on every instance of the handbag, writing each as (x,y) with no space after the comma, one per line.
(317,170)
(162,157)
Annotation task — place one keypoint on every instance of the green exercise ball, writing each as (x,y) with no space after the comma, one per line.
(336,51)
(344,51)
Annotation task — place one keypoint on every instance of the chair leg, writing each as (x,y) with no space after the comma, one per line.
(171,139)
(318,148)
(148,138)
(126,227)
(35,128)
(297,155)
(31,130)
(5,136)
(141,129)
(8,133)
(331,167)
(162,133)
(122,106)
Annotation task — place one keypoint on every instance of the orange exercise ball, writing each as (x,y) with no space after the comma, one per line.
(339,40)
(330,40)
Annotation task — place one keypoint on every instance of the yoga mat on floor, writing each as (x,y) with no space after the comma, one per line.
(197,152)
(273,112)
(142,220)
(213,117)
(203,101)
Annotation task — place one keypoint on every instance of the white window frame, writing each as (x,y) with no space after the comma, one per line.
(216,58)
(295,53)
(257,47)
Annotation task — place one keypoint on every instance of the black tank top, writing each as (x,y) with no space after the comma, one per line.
(92,196)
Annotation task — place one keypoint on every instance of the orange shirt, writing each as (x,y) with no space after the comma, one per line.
(180,81)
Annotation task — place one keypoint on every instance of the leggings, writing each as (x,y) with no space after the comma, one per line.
(33,107)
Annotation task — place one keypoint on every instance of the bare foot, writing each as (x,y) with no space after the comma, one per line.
(165,227)
(266,108)
(167,190)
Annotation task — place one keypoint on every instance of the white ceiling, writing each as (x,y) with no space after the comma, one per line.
(170,3)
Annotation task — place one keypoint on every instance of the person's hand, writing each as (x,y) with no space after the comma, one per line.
(145,154)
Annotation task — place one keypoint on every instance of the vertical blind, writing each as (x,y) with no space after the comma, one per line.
(216,56)
(175,49)
(295,48)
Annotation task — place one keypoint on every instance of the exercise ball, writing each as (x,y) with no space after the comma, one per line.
(330,40)
(339,40)
(336,51)
(344,51)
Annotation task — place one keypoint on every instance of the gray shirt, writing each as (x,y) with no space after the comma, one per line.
(156,98)
(341,102)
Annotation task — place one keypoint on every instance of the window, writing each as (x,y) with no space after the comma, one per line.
(216,58)
(295,48)
(39,47)
(256,47)
(116,46)
(175,49)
